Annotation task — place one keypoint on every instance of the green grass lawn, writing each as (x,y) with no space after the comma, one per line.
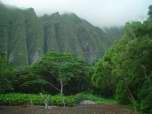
(36,99)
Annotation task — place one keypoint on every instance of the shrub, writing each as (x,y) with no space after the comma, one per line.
(20,99)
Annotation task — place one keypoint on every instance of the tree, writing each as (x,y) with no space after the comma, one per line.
(7,76)
(127,66)
(63,68)
(150,11)
(53,73)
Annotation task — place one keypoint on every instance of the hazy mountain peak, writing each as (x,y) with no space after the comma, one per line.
(33,36)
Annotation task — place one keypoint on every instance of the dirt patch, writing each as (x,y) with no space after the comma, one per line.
(85,109)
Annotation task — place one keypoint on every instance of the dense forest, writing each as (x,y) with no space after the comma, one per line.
(58,54)
(125,69)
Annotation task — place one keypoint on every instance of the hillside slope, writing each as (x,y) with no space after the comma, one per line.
(24,36)
(20,35)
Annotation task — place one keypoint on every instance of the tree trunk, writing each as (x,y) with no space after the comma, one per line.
(46,105)
(61,92)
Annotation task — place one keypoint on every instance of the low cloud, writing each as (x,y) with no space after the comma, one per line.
(98,12)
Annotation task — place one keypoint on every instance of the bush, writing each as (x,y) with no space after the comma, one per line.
(21,99)
(69,100)
(97,99)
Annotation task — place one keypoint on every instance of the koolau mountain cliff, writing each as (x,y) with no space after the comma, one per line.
(25,37)
(21,35)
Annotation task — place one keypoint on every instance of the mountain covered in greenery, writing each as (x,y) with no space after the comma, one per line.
(21,37)
(124,72)
(24,36)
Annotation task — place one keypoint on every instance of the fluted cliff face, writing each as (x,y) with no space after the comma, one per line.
(34,36)
(21,35)
(69,33)
(24,36)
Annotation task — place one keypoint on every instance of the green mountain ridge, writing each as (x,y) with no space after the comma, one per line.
(21,37)
(25,37)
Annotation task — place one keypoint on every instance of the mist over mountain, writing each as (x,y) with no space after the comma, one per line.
(25,37)
(98,12)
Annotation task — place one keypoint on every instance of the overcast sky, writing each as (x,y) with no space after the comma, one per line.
(98,12)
